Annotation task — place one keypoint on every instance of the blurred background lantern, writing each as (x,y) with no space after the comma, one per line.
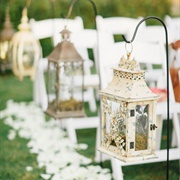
(5,37)
(128,114)
(25,50)
(65,80)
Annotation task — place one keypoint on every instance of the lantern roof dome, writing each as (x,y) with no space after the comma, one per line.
(7,31)
(65,50)
(128,83)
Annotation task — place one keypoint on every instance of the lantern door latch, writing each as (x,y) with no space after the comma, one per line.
(153,127)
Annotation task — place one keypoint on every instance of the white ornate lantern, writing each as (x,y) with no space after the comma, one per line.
(128,114)
(65,87)
(5,37)
(25,50)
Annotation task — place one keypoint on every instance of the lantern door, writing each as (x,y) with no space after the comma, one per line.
(113,125)
(142,135)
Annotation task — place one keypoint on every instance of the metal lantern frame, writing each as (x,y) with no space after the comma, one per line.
(5,37)
(64,57)
(128,118)
(25,50)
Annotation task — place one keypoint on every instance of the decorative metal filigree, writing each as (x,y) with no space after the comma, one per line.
(106,106)
(116,136)
(126,63)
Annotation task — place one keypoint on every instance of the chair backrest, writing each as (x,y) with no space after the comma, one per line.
(42,28)
(173,24)
(116,25)
(85,40)
(50,28)
(154,33)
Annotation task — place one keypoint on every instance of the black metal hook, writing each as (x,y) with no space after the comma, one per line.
(72,5)
(167,70)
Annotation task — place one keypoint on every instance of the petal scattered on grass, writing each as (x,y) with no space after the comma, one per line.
(54,149)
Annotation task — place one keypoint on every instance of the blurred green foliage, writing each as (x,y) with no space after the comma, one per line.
(43,9)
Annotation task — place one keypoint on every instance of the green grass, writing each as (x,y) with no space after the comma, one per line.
(15,156)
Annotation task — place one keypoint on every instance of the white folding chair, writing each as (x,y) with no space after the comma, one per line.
(109,56)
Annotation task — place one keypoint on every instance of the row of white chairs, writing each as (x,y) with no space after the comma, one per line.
(148,49)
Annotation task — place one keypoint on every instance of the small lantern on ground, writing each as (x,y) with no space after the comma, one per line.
(25,50)
(65,80)
(128,114)
(5,37)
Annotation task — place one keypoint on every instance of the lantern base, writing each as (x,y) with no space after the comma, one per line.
(65,114)
(124,158)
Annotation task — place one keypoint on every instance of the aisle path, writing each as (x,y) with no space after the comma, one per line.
(53,148)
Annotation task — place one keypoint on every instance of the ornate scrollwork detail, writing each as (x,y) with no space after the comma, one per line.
(106,106)
(128,64)
(117,128)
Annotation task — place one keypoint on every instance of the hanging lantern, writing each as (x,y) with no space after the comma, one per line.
(65,80)
(5,37)
(25,50)
(128,114)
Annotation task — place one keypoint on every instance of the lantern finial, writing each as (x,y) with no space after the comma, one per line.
(65,33)
(24,21)
(128,64)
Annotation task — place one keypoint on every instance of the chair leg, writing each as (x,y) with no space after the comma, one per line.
(98,155)
(71,131)
(176,131)
(117,169)
(92,101)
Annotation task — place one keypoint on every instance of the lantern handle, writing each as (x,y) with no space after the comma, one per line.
(129,51)
(167,70)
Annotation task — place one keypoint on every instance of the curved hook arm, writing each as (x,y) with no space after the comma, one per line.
(135,32)
(71,8)
(167,71)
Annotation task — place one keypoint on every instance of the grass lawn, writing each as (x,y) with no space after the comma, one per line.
(15,156)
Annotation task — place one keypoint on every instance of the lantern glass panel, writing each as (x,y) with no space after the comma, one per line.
(115,124)
(142,124)
(3,49)
(70,92)
(65,86)
(51,82)
(28,55)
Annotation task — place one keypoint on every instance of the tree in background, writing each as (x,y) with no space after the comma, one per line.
(43,9)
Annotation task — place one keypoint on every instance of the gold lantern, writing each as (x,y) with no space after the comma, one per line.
(128,119)
(65,82)
(5,37)
(25,50)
